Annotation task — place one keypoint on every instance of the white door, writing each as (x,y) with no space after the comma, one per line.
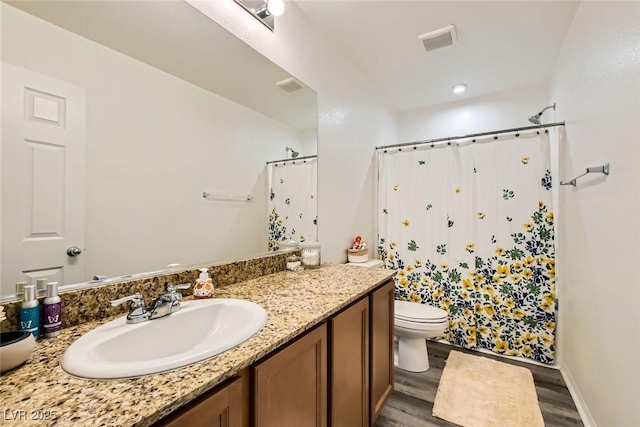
(43,175)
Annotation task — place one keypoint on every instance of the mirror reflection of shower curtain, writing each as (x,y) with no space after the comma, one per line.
(470,230)
(292,205)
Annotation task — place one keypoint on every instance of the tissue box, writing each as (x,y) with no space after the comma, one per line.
(358,255)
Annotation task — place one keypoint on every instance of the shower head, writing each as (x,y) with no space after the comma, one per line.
(536,119)
(294,153)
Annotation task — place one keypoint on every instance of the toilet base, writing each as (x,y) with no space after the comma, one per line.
(412,354)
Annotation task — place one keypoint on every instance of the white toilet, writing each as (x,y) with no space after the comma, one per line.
(414,323)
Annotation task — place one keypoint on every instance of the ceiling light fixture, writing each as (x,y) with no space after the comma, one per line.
(263,10)
(275,7)
(459,89)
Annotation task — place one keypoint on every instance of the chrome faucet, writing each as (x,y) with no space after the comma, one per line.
(137,311)
(167,303)
(162,306)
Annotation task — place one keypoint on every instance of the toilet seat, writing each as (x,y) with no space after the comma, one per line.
(421,327)
(410,314)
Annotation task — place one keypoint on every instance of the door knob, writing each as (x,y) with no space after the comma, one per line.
(74,251)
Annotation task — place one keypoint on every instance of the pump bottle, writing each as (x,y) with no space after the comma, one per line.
(52,312)
(30,312)
(204,285)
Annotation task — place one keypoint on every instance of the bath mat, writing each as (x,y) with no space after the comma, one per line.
(476,391)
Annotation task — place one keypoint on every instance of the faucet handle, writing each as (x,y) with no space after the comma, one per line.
(174,288)
(137,310)
(136,301)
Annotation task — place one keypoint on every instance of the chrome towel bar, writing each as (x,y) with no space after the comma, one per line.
(595,169)
(247,198)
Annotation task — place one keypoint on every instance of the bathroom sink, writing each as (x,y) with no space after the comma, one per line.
(201,329)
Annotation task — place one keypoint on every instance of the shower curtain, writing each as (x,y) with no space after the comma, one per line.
(469,228)
(292,204)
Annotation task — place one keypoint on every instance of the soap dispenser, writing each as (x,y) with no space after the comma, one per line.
(204,285)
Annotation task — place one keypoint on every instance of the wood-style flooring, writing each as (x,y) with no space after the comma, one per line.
(411,403)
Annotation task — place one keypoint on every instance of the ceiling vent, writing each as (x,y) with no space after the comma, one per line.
(439,38)
(290,85)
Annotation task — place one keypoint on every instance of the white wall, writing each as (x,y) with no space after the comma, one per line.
(352,117)
(596,84)
(503,110)
(308,142)
(154,144)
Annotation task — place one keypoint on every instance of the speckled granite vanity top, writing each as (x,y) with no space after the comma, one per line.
(294,301)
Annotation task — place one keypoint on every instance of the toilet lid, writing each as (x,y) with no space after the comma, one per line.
(418,313)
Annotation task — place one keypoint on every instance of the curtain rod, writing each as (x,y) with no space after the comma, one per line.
(293,160)
(473,135)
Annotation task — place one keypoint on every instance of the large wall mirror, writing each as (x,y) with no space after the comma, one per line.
(116,117)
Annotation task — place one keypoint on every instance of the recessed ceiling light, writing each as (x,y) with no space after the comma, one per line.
(459,89)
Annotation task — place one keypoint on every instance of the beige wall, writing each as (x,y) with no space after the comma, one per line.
(596,84)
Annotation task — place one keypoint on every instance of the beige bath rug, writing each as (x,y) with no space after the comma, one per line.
(476,391)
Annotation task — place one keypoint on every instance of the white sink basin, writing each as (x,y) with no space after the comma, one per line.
(201,329)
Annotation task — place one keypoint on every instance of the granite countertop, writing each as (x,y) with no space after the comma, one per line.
(294,301)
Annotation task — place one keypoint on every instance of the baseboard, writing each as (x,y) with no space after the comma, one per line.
(583,410)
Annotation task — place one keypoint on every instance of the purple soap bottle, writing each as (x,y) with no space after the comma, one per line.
(52,312)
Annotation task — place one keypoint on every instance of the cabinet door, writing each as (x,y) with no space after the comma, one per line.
(349,386)
(220,408)
(381,322)
(290,387)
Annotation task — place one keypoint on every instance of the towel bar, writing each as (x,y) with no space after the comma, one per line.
(247,198)
(595,169)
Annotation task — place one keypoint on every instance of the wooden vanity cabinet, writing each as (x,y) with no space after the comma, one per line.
(349,366)
(224,406)
(381,321)
(338,374)
(290,386)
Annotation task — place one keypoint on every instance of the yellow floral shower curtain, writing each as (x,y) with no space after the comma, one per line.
(469,228)
(293,206)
